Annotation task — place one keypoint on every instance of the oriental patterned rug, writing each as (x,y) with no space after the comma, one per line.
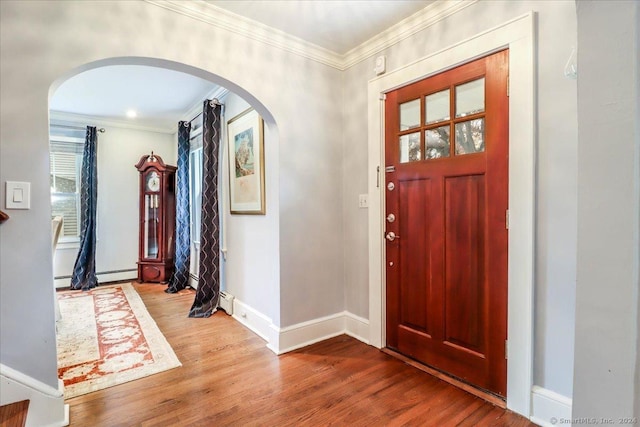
(106,337)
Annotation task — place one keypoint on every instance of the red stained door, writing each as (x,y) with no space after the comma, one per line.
(446,150)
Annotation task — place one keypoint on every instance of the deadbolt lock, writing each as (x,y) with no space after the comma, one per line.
(391,236)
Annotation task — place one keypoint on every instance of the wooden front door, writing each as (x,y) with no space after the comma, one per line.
(446,150)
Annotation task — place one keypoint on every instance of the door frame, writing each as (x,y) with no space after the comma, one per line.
(518,35)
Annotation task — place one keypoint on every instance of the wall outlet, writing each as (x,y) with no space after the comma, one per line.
(363,201)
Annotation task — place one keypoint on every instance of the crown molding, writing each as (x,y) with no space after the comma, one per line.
(224,19)
(232,22)
(219,93)
(430,15)
(87,120)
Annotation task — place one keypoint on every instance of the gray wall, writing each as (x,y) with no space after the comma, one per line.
(290,92)
(556,170)
(606,379)
(252,266)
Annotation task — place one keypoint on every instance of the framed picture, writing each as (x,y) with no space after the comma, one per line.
(246,163)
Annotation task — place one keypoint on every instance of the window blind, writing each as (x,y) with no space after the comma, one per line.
(66,144)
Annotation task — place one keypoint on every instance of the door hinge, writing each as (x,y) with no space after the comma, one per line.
(506,219)
(506,349)
(378,177)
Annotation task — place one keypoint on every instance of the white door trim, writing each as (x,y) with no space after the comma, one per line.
(519,36)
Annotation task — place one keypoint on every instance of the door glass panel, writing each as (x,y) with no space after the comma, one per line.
(436,143)
(410,115)
(437,106)
(470,98)
(470,136)
(410,147)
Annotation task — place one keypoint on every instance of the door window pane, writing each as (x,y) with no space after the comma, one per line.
(410,147)
(470,136)
(470,98)
(437,143)
(410,115)
(437,106)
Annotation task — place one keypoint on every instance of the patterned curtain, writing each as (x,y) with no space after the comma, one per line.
(84,270)
(180,278)
(206,300)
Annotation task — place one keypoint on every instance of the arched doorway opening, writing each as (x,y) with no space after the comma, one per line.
(239,241)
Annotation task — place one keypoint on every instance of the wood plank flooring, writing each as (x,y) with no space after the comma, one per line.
(14,414)
(230,378)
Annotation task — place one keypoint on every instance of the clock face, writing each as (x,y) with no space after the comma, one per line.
(153,181)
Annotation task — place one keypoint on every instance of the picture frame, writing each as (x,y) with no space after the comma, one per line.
(245,148)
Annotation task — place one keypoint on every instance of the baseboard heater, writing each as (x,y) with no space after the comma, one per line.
(226,302)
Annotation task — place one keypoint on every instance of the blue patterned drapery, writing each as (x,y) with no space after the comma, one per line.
(208,292)
(180,278)
(84,270)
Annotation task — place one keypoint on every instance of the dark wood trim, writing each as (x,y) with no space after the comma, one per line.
(3,217)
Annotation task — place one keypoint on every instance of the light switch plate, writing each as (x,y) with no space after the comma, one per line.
(363,201)
(18,195)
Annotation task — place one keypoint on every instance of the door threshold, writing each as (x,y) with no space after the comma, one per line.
(482,394)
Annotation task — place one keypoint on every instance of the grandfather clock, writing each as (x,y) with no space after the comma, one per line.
(157,219)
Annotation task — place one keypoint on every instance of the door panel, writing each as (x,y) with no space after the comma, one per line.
(446,263)
(464,268)
(414,241)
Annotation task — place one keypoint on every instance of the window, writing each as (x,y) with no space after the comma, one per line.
(465,130)
(195,179)
(195,176)
(65,160)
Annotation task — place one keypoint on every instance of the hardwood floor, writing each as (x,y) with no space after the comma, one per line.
(230,378)
(14,414)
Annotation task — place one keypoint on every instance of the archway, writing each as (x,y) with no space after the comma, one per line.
(239,228)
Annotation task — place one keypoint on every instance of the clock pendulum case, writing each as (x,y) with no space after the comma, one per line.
(157,219)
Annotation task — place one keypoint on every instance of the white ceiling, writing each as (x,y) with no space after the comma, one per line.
(161,97)
(336,25)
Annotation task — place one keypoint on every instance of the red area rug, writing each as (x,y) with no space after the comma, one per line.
(106,337)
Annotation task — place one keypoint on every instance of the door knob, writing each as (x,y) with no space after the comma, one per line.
(391,236)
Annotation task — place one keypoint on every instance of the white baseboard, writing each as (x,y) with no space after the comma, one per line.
(306,333)
(549,409)
(46,403)
(104,277)
(283,340)
(256,321)
(356,327)
(193,281)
